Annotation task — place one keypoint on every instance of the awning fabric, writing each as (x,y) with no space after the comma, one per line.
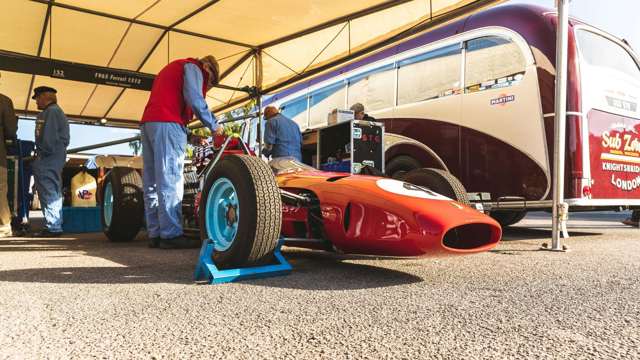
(263,43)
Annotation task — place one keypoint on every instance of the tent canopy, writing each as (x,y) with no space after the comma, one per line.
(268,44)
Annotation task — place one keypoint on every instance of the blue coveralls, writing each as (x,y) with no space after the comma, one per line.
(163,151)
(284,134)
(52,139)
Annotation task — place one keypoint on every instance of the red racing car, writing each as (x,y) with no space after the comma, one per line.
(246,205)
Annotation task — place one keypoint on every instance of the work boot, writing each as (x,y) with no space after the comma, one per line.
(179,242)
(46,234)
(154,242)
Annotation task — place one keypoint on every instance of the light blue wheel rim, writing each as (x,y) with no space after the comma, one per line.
(108,204)
(222,214)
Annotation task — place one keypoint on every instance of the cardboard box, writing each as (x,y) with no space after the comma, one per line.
(338,116)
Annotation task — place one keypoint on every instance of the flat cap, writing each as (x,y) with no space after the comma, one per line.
(42,89)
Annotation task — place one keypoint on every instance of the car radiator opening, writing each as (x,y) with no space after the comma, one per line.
(469,236)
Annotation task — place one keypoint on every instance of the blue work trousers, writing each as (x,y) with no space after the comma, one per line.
(47,174)
(163,150)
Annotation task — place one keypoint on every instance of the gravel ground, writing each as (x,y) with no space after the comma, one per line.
(82,297)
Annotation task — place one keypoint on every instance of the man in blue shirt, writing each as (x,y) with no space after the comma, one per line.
(52,139)
(282,136)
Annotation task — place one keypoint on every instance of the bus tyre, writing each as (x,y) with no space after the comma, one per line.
(507,218)
(241,211)
(397,167)
(122,206)
(439,181)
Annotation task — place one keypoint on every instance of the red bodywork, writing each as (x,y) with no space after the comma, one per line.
(380,216)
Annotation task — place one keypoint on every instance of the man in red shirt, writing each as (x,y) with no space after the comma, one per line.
(178,93)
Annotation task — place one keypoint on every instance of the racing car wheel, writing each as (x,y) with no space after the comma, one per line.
(122,191)
(439,181)
(241,211)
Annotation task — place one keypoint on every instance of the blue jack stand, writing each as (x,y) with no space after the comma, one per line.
(206,269)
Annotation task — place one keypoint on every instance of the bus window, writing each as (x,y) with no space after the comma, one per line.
(373,89)
(325,100)
(296,110)
(492,62)
(430,75)
(601,52)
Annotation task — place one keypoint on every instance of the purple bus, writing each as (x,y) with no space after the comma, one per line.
(475,97)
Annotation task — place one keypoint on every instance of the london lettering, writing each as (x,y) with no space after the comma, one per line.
(626,185)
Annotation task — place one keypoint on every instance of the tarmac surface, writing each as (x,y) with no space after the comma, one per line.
(83,297)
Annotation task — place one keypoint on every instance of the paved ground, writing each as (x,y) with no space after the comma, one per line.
(85,297)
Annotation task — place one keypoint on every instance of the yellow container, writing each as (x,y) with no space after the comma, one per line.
(83,190)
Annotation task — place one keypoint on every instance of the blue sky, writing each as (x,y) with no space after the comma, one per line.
(618,17)
(82,135)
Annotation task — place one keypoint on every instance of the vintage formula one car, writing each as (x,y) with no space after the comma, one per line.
(246,205)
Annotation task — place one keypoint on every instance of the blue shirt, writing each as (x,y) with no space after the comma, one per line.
(52,131)
(284,134)
(192,93)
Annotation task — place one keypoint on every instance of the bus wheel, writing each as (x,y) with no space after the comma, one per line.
(122,206)
(397,167)
(439,181)
(507,218)
(241,211)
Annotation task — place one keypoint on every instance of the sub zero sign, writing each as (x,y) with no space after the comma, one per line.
(615,156)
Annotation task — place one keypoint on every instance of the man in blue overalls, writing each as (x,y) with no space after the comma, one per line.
(282,136)
(178,93)
(52,139)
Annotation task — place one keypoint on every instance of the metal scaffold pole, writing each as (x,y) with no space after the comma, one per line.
(560,208)
(258,85)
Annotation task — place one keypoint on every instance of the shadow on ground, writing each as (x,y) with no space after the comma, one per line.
(318,270)
(134,262)
(71,260)
(515,233)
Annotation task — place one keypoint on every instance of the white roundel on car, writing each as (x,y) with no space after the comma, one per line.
(407,189)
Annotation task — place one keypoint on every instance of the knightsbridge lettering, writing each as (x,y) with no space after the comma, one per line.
(607,166)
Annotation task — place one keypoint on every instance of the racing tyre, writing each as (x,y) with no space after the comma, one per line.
(122,207)
(400,165)
(440,181)
(507,218)
(241,211)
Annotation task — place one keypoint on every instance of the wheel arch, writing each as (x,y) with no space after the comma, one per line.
(397,145)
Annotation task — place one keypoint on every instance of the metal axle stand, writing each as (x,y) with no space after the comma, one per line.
(207,270)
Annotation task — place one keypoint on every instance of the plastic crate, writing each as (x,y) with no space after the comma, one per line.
(81,219)
(338,166)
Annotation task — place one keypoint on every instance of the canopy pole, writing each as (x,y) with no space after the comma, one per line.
(258,84)
(560,208)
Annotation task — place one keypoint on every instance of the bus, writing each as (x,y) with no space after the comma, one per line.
(475,97)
